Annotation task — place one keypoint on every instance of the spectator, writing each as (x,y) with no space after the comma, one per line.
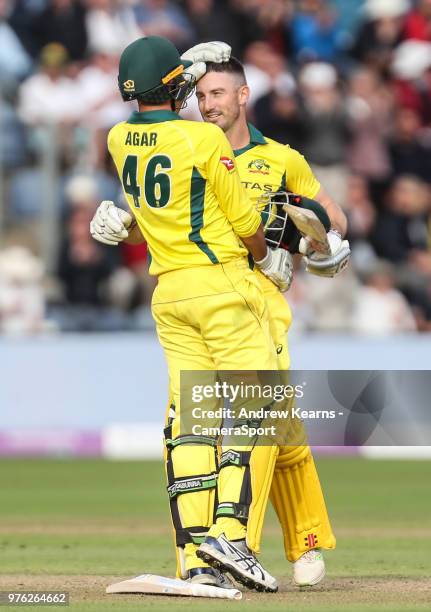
(22,300)
(411,67)
(402,228)
(380,33)
(13,149)
(418,22)
(263,20)
(110,25)
(262,67)
(276,113)
(401,235)
(49,96)
(210,23)
(22,16)
(63,22)
(410,154)
(25,181)
(325,127)
(315,33)
(15,63)
(361,215)
(331,304)
(84,266)
(380,308)
(98,88)
(349,15)
(165,18)
(360,212)
(370,108)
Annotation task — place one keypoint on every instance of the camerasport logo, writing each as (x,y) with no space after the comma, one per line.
(227,163)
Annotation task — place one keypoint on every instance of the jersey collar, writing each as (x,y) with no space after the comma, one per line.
(157,116)
(256,138)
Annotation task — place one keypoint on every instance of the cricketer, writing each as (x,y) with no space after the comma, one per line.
(186,200)
(265,166)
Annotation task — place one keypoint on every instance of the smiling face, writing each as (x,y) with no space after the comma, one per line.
(222,97)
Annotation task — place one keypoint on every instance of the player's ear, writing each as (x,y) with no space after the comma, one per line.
(243,95)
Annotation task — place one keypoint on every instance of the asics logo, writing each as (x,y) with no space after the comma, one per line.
(250,563)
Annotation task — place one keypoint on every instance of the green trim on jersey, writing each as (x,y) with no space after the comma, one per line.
(238,152)
(197,198)
(256,138)
(157,116)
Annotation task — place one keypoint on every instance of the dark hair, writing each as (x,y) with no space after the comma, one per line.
(233,66)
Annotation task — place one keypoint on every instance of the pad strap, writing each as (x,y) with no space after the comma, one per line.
(187,439)
(238,510)
(188,484)
(234,510)
(233,457)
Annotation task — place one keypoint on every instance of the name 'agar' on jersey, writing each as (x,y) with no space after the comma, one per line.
(140,139)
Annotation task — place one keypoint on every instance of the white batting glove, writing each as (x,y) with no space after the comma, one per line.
(215,51)
(110,224)
(327,265)
(277,265)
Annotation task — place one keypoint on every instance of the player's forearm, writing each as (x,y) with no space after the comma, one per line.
(135,236)
(336,215)
(256,244)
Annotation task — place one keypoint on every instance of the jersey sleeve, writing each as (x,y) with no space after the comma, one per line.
(224,179)
(299,176)
(111,142)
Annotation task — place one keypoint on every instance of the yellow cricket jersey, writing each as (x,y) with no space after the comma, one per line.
(181,184)
(266,165)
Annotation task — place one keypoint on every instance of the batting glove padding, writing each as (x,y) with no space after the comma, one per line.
(110,224)
(214,51)
(277,265)
(327,265)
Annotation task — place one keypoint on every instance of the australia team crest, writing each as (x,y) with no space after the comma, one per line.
(259,166)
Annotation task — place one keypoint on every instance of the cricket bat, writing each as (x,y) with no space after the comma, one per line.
(159,585)
(308,223)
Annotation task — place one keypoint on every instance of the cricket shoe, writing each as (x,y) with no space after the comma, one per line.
(309,569)
(211,576)
(238,560)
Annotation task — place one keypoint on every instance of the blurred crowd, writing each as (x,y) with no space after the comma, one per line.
(347,83)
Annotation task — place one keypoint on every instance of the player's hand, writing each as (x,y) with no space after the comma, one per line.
(110,224)
(326,264)
(277,265)
(215,51)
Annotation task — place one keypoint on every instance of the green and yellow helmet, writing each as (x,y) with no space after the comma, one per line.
(152,71)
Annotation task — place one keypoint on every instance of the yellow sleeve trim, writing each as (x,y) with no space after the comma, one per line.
(253,228)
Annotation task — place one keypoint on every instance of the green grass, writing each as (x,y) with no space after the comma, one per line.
(82,523)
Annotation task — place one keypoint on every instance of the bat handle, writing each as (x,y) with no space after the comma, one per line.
(204,590)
